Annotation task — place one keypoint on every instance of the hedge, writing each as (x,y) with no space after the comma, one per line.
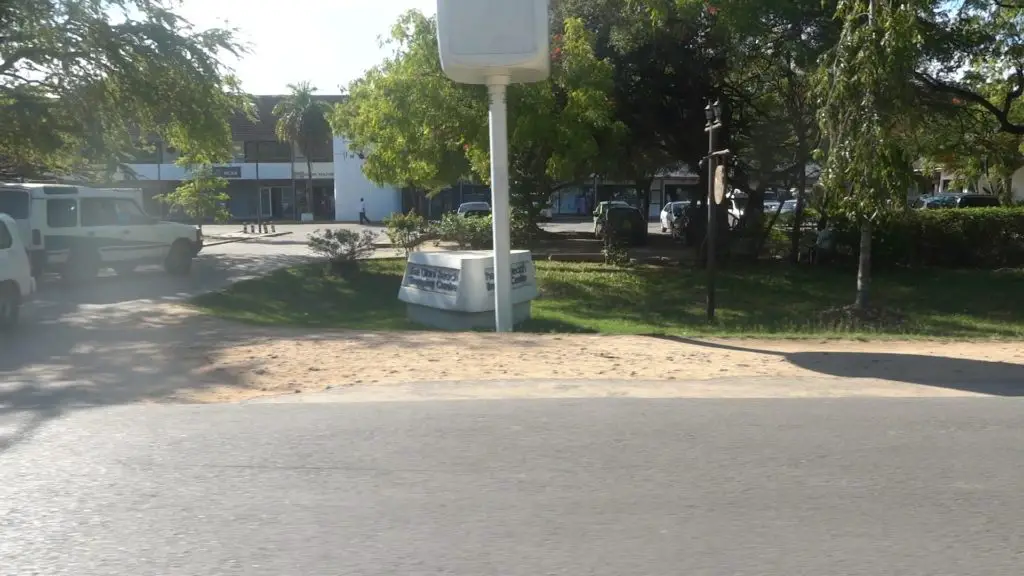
(952,238)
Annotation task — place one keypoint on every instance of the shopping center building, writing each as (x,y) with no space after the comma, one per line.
(267,178)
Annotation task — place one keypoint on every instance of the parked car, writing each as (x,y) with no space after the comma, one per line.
(937,201)
(603,206)
(627,216)
(468,209)
(977,201)
(76,231)
(933,202)
(671,212)
(16,281)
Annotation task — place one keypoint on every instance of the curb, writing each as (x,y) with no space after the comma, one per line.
(244,239)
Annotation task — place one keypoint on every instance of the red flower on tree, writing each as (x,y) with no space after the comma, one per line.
(957,101)
(712,10)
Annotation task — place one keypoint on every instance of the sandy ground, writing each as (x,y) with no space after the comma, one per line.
(148,352)
(406,365)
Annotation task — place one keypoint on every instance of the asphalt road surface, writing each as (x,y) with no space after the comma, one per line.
(597,487)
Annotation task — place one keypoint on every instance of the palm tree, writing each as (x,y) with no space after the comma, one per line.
(302,122)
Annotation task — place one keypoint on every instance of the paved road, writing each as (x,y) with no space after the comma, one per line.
(216,267)
(613,487)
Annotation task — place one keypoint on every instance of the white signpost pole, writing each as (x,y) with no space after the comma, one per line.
(496,43)
(500,209)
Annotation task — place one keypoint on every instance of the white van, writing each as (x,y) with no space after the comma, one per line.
(16,281)
(76,231)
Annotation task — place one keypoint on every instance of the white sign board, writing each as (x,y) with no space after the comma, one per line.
(460,286)
(481,39)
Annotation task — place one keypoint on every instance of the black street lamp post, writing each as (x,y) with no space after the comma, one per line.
(713,115)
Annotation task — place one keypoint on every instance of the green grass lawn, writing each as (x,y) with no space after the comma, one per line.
(763,300)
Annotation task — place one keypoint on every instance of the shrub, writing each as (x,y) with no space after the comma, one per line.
(619,231)
(523,232)
(477,233)
(954,238)
(407,231)
(342,248)
(473,233)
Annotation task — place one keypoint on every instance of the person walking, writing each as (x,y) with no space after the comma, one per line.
(362,212)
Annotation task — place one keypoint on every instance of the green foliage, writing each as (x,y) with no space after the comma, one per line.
(867,107)
(473,233)
(615,247)
(415,128)
(477,233)
(407,231)
(201,197)
(80,78)
(302,119)
(953,238)
(972,59)
(763,301)
(406,119)
(342,248)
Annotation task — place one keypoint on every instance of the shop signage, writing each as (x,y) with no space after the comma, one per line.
(520,276)
(432,278)
(227,171)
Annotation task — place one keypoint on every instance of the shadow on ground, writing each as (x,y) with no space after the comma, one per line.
(118,340)
(977,376)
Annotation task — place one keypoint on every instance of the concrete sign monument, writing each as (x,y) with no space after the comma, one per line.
(496,43)
(455,290)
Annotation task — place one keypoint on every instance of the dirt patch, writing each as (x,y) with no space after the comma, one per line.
(293,362)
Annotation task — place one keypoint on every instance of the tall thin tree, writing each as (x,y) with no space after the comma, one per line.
(302,122)
(868,111)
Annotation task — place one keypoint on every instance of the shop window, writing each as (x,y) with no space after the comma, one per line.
(267,151)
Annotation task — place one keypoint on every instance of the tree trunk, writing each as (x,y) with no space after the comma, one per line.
(864,267)
(798,214)
(309,186)
(643,190)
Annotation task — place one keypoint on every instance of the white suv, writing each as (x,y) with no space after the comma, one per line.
(16,281)
(76,231)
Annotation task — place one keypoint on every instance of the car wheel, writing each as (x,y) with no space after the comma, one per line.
(179,259)
(124,269)
(82,266)
(10,305)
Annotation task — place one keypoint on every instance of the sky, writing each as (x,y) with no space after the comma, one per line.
(328,43)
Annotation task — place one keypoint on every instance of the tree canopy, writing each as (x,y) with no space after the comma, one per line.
(415,128)
(80,80)
(630,81)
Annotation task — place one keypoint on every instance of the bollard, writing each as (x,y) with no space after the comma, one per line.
(245,227)
(273,228)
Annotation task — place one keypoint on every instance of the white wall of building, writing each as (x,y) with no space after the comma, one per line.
(252,171)
(350,184)
(1017,185)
